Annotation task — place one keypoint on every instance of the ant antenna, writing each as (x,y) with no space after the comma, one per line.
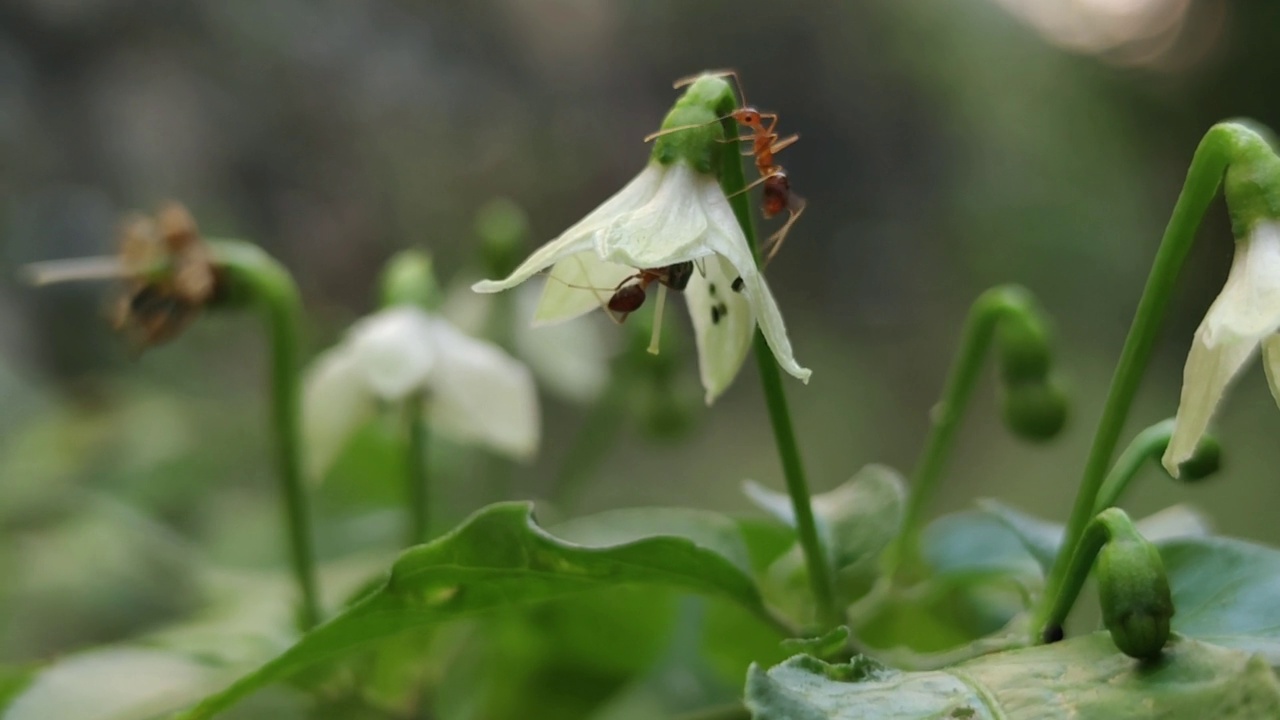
(50,272)
(600,299)
(724,72)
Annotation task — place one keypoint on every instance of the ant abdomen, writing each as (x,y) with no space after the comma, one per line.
(777,194)
(628,298)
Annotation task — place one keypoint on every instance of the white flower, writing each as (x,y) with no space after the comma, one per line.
(669,214)
(1245,315)
(474,391)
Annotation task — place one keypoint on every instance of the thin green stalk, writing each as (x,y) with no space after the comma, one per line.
(734,182)
(979,329)
(1148,445)
(417,472)
(599,432)
(1220,145)
(256,279)
(1097,533)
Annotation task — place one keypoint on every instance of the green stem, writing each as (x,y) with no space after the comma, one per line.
(1220,145)
(984,316)
(255,278)
(599,432)
(1148,445)
(417,473)
(1097,533)
(734,182)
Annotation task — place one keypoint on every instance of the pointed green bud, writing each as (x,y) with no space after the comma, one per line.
(409,279)
(693,130)
(503,229)
(1133,589)
(1035,411)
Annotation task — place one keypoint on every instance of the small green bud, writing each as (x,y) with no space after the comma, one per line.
(1134,592)
(1252,182)
(409,279)
(503,228)
(1206,461)
(1035,411)
(1024,350)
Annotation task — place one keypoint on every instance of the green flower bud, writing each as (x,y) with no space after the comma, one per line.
(502,227)
(1206,461)
(1024,350)
(1035,411)
(1134,592)
(409,279)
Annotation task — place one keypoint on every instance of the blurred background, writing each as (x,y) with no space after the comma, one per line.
(946,147)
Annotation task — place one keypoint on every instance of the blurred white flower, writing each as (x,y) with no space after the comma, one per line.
(669,214)
(571,359)
(1244,317)
(474,391)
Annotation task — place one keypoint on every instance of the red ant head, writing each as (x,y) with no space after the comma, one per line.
(748,116)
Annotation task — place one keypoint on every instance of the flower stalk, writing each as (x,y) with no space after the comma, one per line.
(1149,445)
(1025,363)
(253,278)
(733,181)
(1224,144)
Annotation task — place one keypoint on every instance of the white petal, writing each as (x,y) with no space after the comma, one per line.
(1249,305)
(335,401)
(581,236)
(578,284)
(1271,362)
(480,394)
(723,324)
(726,238)
(394,351)
(666,230)
(1209,371)
(570,359)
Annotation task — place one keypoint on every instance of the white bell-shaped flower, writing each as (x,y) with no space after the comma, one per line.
(474,391)
(1244,317)
(669,214)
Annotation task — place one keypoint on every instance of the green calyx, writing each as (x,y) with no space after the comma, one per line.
(409,279)
(1252,181)
(1035,411)
(697,136)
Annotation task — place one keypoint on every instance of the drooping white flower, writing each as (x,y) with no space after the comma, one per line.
(473,390)
(668,214)
(1244,317)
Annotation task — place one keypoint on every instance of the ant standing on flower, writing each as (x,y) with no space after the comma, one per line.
(765,143)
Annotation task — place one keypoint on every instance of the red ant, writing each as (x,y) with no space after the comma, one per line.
(765,143)
(629,294)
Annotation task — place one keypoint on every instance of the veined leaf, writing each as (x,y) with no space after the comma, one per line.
(1081,678)
(498,558)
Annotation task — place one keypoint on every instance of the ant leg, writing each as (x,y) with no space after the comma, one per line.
(748,187)
(774,243)
(783,144)
(726,72)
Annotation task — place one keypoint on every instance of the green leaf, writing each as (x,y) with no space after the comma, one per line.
(974,544)
(1081,678)
(1226,592)
(856,520)
(705,529)
(498,558)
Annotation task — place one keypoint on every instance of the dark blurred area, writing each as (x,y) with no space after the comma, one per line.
(946,147)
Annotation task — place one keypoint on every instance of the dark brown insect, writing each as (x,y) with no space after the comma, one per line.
(629,295)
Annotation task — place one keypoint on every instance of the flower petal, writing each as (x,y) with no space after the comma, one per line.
(570,359)
(581,236)
(1271,362)
(666,230)
(578,284)
(1249,304)
(394,351)
(723,324)
(481,394)
(335,402)
(725,238)
(1209,371)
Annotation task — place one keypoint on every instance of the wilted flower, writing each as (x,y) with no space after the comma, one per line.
(672,224)
(474,392)
(1244,317)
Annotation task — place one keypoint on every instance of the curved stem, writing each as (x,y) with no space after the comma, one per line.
(979,329)
(1101,530)
(733,182)
(254,278)
(1222,143)
(417,472)
(1148,445)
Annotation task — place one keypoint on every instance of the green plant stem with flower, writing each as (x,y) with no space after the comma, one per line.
(256,280)
(733,180)
(1224,144)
